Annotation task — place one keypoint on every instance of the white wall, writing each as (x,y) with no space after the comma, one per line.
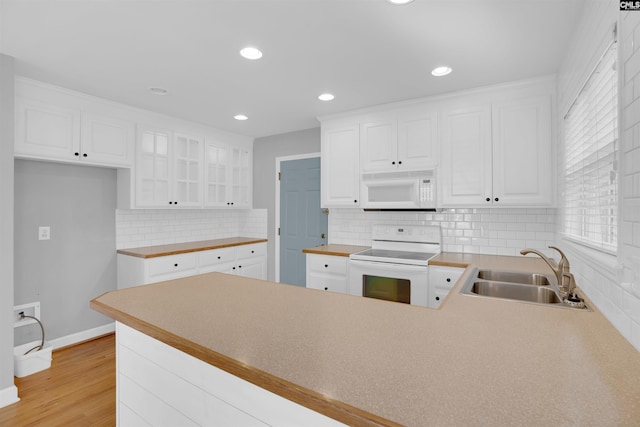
(8,392)
(603,276)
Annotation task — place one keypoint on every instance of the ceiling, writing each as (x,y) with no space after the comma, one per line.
(365,52)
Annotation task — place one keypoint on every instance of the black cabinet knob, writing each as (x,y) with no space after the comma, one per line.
(355,201)
(84,155)
(239,266)
(76,154)
(326,289)
(496,199)
(228,203)
(448,279)
(326,265)
(393,163)
(233,268)
(232,203)
(175,265)
(175,203)
(437,298)
(488,199)
(218,257)
(170,203)
(253,252)
(400,162)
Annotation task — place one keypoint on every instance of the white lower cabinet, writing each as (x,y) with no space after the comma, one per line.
(244,260)
(161,386)
(328,273)
(441,281)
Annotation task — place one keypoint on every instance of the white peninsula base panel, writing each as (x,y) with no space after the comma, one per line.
(158,385)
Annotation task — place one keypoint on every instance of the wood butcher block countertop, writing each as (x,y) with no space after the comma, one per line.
(335,250)
(181,248)
(473,361)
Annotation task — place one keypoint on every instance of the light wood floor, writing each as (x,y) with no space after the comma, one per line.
(78,390)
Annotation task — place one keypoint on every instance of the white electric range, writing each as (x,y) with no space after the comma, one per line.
(396,267)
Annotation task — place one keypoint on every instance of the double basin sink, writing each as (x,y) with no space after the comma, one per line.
(525,287)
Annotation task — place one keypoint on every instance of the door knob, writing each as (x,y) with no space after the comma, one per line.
(325,211)
(322,236)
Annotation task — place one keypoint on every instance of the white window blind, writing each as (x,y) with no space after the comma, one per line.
(590,203)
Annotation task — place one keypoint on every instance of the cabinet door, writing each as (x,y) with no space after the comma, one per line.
(216,172)
(46,131)
(240,177)
(340,167)
(106,140)
(466,173)
(379,146)
(522,167)
(153,174)
(187,171)
(417,140)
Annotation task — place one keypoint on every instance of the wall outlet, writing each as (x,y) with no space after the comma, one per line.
(44,233)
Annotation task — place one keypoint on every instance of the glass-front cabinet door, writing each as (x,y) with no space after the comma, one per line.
(216,174)
(240,177)
(187,172)
(153,168)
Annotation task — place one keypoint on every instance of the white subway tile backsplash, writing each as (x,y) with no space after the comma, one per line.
(156,227)
(483,230)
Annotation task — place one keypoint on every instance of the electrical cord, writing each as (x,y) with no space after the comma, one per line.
(39,347)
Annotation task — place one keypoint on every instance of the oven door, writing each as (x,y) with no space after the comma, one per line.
(391,282)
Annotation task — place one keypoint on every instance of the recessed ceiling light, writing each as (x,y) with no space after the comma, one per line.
(158,91)
(399,2)
(326,97)
(441,71)
(251,53)
(240,117)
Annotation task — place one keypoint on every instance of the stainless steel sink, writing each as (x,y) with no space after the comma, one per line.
(515,291)
(514,277)
(517,286)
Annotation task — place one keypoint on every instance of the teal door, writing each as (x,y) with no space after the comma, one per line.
(303,223)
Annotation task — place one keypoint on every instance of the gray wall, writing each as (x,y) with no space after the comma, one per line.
(265,152)
(79,262)
(6,224)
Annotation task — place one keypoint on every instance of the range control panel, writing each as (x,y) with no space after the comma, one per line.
(410,233)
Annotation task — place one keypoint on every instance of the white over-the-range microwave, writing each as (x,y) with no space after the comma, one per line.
(399,190)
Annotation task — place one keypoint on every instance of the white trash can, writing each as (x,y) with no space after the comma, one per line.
(35,361)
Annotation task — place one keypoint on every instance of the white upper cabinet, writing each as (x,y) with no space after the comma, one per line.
(168,169)
(54,124)
(498,154)
(227,175)
(340,182)
(465,172)
(403,140)
(153,181)
(187,170)
(106,139)
(522,162)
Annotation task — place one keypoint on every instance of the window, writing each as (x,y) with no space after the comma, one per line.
(590,202)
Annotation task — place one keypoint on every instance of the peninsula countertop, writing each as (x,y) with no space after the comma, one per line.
(362,361)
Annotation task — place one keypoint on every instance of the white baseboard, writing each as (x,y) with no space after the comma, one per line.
(8,396)
(82,336)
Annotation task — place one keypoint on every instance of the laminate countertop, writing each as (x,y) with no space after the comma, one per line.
(335,250)
(473,361)
(181,248)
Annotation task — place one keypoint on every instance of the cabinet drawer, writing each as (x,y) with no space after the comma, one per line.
(209,260)
(327,264)
(444,277)
(327,283)
(250,251)
(172,264)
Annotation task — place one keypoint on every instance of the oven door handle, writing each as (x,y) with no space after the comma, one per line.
(388,265)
